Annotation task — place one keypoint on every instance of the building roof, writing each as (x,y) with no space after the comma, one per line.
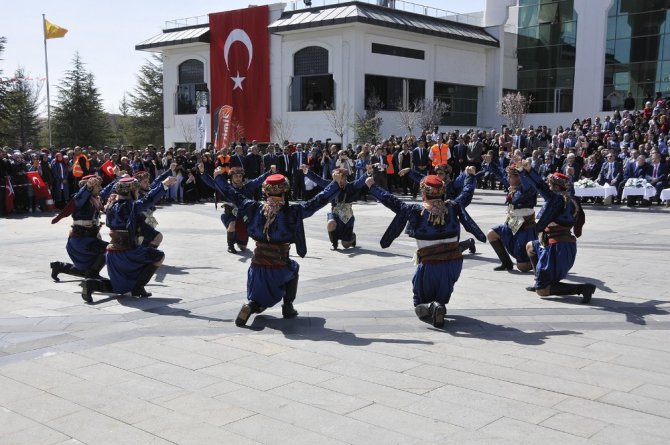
(357,12)
(178,36)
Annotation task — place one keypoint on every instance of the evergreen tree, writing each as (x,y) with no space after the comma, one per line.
(3,89)
(78,117)
(146,105)
(21,126)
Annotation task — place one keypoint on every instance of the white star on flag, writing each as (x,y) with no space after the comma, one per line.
(238,81)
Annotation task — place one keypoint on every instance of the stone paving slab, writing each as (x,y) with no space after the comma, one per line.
(356,367)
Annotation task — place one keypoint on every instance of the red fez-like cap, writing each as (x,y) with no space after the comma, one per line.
(127,179)
(275,179)
(558,175)
(88,177)
(433,181)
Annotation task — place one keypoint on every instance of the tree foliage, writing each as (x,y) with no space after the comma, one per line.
(145,110)
(339,120)
(21,125)
(78,117)
(409,116)
(366,127)
(430,112)
(3,88)
(514,108)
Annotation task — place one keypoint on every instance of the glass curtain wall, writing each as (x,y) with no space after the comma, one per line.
(547,38)
(637,54)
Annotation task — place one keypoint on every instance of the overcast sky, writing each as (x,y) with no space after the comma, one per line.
(105,34)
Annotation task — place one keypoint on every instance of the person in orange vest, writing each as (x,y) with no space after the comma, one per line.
(439,153)
(81,166)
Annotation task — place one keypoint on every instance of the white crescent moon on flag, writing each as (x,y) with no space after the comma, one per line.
(238,35)
(37,182)
(109,170)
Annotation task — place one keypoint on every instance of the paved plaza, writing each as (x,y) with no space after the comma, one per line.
(356,366)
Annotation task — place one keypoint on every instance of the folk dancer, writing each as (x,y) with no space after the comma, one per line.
(553,255)
(130,265)
(84,245)
(453,190)
(511,237)
(340,219)
(435,224)
(148,236)
(274,225)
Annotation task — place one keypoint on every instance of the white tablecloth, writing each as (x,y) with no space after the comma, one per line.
(599,192)
(647,192)
(665,195)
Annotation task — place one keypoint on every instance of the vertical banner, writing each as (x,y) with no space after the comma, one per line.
(200,128)
(240,64)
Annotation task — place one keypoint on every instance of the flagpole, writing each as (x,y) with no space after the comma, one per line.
(46,64)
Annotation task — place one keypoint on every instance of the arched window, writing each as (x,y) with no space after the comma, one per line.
(312,87)
(192,91)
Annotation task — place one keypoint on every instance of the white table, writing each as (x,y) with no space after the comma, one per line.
(646,192)
(665,195)
(596,192)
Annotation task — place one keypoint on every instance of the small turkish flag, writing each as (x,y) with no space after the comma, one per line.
(9,196)
(39,187)
(108,168)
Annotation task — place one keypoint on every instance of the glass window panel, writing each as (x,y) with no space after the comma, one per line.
(665,53)
(528,16)
(611,28)
(623,29)
(664,71)
(529,2)
(622,51)
(637,6)
(191,71)
(621,81)
(416,90)
(565,101)
(645,48)
(310,60)
(548,13)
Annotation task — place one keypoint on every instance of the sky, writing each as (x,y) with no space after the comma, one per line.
(105,35)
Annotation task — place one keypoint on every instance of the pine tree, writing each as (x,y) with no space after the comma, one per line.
(3,89)
(146,104)
(78,117)
(22,102)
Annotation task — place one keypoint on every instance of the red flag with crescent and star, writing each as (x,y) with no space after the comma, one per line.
(39,187)
(108,168)
(240,73)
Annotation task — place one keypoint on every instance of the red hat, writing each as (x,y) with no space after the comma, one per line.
(560,180)
(276,184)
(558,175)
(88,177)
(126,185)
(141,175)
(432,186)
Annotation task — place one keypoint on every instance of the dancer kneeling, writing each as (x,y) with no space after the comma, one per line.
(553,255)
(130,265)
(274,225)
(435,224)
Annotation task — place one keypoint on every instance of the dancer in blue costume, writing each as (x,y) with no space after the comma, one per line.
(274,225)
(459,190)
(236,228)
(511,237)
(436,226)
(84,245)
(130,265)
(146,228)
(340,219)
(553,255)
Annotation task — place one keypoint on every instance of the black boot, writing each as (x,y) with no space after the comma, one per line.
(439,311)
(248,308)
(291,289)
(467,244)
(96,267)
(67,268)
(424,311)
(533,261)
(90,285)
(333,239)
(586,290)
(230,236)
(499,249)
(142,280)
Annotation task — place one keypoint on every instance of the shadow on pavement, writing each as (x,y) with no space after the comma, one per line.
(355,251)
(314,328)
(635,312)
(165,270)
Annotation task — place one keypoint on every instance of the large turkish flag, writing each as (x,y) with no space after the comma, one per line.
(240,61)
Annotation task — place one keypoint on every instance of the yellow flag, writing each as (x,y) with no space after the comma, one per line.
(52,31)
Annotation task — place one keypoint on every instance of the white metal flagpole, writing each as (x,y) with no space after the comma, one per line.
(46,64)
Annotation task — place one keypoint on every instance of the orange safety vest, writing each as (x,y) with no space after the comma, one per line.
(77,172)
(441,154)
(389,165)
(224,163)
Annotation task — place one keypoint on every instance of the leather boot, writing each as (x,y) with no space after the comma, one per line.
(439,311)
(291,289)
(585,290)
(96,267)
(142,280)
(230,236)
(467,244)
(66,268)
(333,239)
(248,308)
(90,285)
(533,260)
(499,249)
(424,311)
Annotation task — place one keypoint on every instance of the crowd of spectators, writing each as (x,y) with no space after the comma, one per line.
(624,145)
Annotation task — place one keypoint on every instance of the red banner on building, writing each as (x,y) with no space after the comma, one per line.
(240,64)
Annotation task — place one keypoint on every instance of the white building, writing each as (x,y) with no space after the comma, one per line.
(557,50)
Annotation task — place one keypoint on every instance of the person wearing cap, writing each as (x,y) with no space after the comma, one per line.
(146,227)
(461,190)
(435,224)
(130,265)
(274,225)
(340,220)
(510,238)
(233,221)
(553,254)
(84,246)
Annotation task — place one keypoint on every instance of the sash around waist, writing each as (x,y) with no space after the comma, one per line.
(271,255)
(439,253)
(119,240)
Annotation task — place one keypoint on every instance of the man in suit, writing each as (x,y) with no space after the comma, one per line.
(420,162)
(298,158)
(379,164)
(642,170)
(548,167)
(271,157)
(611,172)
(659,174)
(239,158)
(284,162)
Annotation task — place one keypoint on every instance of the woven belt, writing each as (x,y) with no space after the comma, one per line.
(557,234)
(119,240)
(439,253)
(78,231)
(271,255)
